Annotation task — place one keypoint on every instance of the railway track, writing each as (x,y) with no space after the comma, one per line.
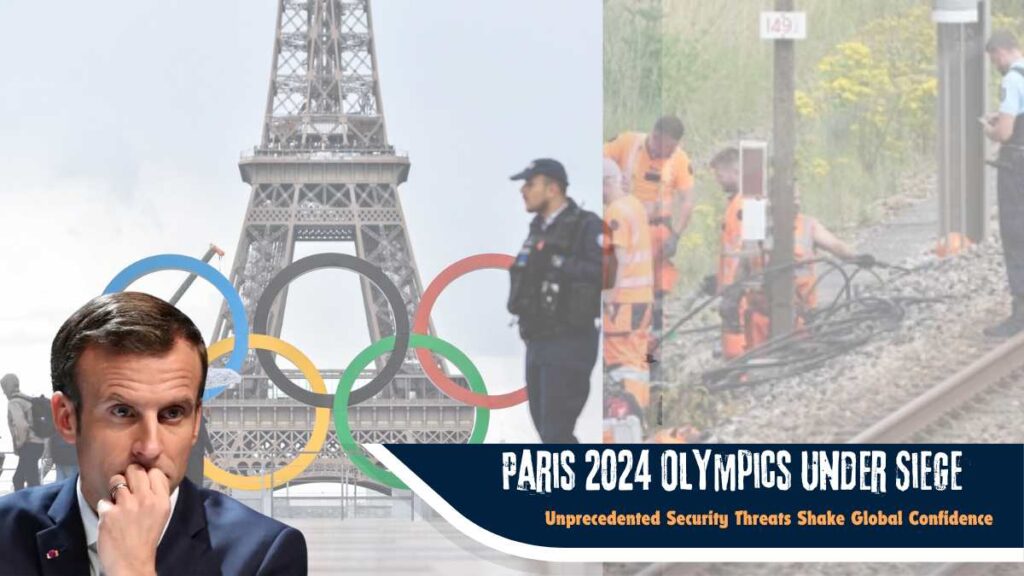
(999,368)
(996,379)
(843,398)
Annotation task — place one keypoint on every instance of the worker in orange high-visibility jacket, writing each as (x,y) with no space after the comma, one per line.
(658,172)
(738,261)
(809,236)
(744,312)
(630,296)
(755,319)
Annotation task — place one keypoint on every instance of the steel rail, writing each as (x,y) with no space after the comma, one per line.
(956,390)
(918,414)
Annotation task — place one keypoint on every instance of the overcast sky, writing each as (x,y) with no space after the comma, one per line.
(121,126)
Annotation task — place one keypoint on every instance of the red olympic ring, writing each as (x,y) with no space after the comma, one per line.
(421,325)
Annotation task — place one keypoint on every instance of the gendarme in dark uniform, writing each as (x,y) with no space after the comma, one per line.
(1007,128)
(556,293)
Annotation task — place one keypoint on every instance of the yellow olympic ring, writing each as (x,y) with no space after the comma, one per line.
(320,424)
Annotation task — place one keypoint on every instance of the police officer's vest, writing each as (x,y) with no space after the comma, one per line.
(1017,139)
(549,304)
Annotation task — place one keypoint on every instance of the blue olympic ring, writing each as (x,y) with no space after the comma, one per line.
(188,264)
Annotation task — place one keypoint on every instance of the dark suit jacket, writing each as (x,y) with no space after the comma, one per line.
(41,532)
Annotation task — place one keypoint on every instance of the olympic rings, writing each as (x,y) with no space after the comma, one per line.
(348,378)
(239,319)
(318,397)
(316,437)
(421,325)
(370,272)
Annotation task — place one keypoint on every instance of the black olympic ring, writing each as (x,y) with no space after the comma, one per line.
(345,262)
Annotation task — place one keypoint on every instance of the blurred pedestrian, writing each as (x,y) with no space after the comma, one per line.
(27,445)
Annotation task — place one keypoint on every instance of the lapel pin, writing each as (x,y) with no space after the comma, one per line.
(51,554)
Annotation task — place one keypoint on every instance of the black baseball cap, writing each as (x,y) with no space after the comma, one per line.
(544,167)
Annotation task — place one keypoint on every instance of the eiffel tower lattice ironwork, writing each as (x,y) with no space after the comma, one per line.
(324,171)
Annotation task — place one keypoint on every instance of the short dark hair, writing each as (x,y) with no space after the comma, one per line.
(562,186)
(727,157)
(1002,40)
(670,126)
(124,322)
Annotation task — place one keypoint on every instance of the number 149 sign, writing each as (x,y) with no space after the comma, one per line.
(783,25)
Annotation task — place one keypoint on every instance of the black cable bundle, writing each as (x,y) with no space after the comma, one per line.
(845,324)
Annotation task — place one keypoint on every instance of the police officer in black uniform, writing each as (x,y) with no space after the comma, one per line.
(1007,128)
(556,293)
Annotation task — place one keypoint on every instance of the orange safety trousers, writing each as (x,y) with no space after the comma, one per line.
(627,329)
(747,323)
(665,273)
(756,326)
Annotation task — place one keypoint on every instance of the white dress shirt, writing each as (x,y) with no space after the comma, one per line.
(551,217)
(91,523)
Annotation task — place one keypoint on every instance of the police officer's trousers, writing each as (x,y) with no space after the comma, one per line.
(558,383)
(1010,187)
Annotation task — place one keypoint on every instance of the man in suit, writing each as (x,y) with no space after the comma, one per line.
(128,374)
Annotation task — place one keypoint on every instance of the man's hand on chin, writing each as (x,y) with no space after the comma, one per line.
(132,521)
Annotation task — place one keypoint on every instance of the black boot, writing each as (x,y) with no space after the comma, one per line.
(1012,325)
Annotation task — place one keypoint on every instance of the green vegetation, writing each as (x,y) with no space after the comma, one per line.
(866,104)
(866,96)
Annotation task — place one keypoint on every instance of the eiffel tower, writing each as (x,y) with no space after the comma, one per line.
(324,171)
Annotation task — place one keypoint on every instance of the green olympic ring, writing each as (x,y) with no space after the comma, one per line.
(362,360)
